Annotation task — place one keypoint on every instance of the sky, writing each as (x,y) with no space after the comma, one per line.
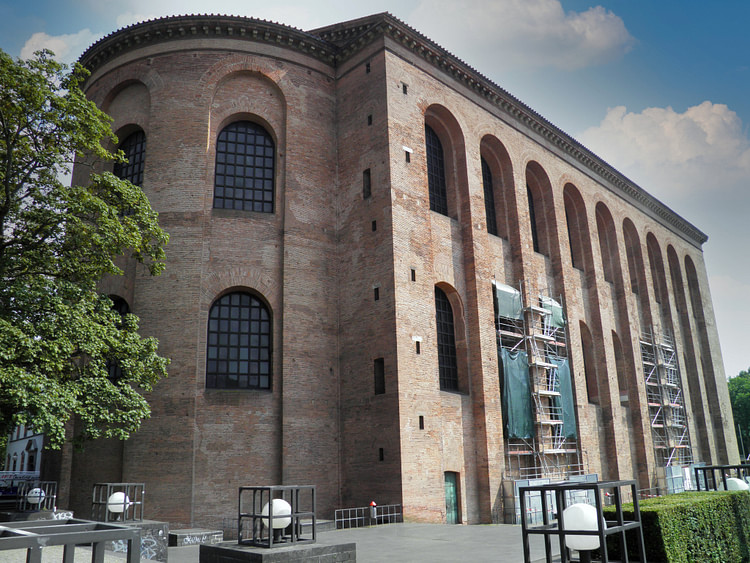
(660,90)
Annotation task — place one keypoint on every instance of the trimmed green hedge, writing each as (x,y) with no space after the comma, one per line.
(692,527)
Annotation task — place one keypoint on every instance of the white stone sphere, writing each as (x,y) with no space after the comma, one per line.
(35,496)
(118,502)
(581,516)
(734,484)
(280,508)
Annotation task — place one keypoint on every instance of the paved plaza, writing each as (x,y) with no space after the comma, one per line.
(416,543)
(393,543)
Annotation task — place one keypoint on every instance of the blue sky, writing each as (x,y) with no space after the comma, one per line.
(660,90)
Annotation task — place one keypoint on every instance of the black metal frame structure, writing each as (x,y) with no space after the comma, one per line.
(256,528)
(566,493)
(36,535)
(132,510)
(47,501)
(711,483)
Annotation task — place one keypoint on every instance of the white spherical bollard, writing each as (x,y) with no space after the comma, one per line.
(118,502)
(35,496)
(280,508)
(581,516)
(734,484)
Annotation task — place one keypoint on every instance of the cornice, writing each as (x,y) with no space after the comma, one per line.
(472,79)
(339,42)
(173,28)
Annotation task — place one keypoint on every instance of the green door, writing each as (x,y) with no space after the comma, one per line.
(451,497)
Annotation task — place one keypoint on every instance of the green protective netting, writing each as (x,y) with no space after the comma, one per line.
(558,317)
(516,397)
(564,386)
(508,301)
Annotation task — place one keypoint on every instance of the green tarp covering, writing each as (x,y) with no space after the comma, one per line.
(516,397)
(564,386)
(508,301)
(558,318)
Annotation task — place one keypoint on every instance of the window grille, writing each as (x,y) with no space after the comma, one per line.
(244,168)
(239,343)
(447,361)
(436,172)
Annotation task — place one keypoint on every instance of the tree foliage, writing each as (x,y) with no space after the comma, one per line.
(58,334)
(739,395)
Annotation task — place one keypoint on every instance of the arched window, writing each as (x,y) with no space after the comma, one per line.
(244,179)
(446,341)
(489,198)
(436,172)
(134,147)
(589,364)
(113,367)
(532,220)
(239,343)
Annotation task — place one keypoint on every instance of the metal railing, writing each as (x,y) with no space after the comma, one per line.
(362,516)
(37,535)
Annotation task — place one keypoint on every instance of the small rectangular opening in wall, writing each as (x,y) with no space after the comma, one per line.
(404,87)
(421,422)
(413,274)
(366,184)
(369,119)
(381,454)
(374,226)
(407,154)
(367,68)
(376,293)
(418,347)
(378,368)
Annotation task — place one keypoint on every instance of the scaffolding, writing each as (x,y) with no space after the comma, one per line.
(665,398)
(550,450)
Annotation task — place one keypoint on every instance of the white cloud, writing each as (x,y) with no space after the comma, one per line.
(703,148)
(524,33)
(67,48)
(698,163)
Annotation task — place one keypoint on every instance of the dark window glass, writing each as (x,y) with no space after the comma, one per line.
(446,340)
(532,220)
(489,198)
(134,147)
(113,367)
(244,177)
(239,343)
(366,184)
(436,172)
(379,374)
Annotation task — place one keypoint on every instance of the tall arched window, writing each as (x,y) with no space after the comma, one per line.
(113,366)
(489,198)
(134,147)
(446,341)
(245,162)
(532,220)
(239,343)
(436,172)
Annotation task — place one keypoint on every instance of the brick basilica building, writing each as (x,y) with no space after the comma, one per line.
(389,278)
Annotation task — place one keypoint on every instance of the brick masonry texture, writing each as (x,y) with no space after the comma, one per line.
(338,101)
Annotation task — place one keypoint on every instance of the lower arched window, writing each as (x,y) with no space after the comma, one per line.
(239,343)
(446,341)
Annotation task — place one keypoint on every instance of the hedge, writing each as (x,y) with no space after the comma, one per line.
(692,527)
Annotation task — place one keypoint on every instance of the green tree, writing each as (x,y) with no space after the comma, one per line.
(58,334)
(739,395)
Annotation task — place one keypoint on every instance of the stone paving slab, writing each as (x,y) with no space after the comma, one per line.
(420,543)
